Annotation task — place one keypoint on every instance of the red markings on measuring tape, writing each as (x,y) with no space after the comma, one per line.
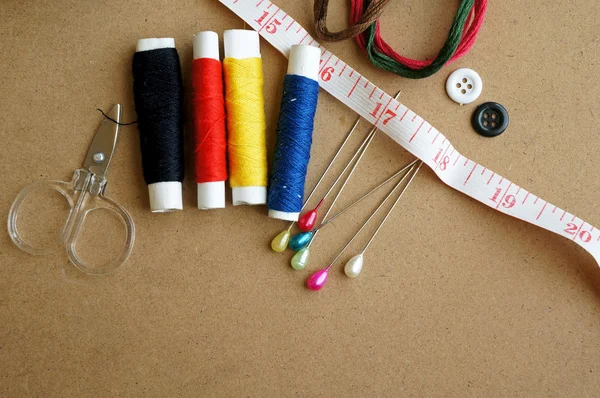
(355,84)
(271,25)
(443,163)
(390,115)
(323,64)
(326,73)
(405,112)
(470,174)
(418,128)
(541,211)
(276,27)
(576,232)
(384,111)
(507,201)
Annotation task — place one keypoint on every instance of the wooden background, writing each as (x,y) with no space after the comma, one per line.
(455,299)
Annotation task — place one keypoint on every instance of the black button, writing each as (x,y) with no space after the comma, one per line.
(490,119)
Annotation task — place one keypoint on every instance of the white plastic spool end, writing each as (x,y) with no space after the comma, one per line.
(282,215)
(165,196)
(249,196)
(241,44)
(211,195)
(206,45)
(155,44)
(304,61)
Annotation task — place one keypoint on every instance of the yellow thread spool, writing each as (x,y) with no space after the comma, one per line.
(246,124)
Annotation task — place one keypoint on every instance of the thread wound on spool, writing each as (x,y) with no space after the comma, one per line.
(246,125)
(158,96)
(209,120)
(294,138)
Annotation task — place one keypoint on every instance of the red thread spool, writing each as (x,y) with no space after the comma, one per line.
(209,124)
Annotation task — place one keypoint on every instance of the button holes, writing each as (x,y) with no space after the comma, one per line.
(463,91)
(458,85)
(494,116)
(464,80)
(494,124)
(485,123)
(485,115)
(469,86)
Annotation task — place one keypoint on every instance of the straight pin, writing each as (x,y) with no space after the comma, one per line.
(317,280)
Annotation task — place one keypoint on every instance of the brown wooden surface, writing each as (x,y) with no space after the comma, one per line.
(455,299)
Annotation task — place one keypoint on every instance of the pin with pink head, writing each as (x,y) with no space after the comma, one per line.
(307,221)
(317,280)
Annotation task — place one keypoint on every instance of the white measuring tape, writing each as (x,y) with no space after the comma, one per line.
(413,133)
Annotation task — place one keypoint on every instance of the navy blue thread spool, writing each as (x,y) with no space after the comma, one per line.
(294,133)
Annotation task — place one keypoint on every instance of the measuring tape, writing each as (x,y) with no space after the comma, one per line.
(414,133)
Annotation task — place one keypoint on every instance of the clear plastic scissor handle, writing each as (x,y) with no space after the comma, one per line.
(88,196)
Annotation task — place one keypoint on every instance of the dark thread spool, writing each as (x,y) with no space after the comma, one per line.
(158,96)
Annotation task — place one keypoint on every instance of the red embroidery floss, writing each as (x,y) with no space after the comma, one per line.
(209,121)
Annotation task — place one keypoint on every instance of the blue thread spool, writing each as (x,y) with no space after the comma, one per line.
(294,133)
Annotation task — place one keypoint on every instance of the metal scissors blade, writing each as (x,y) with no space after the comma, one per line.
(104,143)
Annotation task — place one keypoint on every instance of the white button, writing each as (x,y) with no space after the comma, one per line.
(464,86)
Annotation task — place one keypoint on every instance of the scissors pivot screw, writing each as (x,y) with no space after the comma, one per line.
(98,157)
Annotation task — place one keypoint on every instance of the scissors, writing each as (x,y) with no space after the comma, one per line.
(85,193)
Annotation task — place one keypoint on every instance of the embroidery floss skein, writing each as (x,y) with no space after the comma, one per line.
(158,96)
(209,121)
(294,133)
(246,125)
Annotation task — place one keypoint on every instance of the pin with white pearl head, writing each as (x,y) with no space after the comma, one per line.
(354,266)
(317,280)
(280,242)
(300,259)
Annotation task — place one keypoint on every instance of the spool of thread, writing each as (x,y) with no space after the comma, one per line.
(158,96)
(246,125)
(294,133)
(209,121)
